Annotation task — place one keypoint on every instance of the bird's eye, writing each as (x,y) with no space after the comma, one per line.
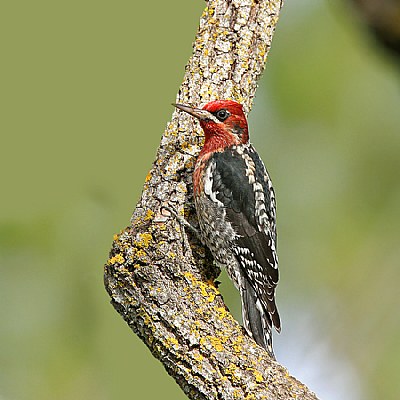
(222,115)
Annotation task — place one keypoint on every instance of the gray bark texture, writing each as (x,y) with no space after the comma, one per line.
(160,278)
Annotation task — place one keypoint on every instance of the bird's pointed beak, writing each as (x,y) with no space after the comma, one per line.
(195,112)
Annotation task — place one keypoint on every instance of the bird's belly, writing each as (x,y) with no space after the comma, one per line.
(217,234)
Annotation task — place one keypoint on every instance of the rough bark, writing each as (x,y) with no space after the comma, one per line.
(159,277)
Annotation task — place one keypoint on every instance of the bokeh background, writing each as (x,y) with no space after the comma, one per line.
(85,92)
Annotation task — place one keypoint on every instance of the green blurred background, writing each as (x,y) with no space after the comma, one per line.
(85,92)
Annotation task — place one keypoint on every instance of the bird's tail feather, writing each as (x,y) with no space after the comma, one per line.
(256,319)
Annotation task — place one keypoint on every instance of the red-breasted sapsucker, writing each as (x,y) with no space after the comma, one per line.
(235,206)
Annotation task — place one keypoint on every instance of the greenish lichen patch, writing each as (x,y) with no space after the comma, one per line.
(143,240)
(211,342)
(208,290)
(116,259)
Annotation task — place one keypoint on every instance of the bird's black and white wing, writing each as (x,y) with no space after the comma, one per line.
(241,183)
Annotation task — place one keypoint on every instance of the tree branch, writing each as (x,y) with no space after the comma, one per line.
(159,277)
(383,19)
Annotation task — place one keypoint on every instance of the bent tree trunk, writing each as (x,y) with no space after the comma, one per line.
(159,277)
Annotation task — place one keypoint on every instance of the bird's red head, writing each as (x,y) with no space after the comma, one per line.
(223,122)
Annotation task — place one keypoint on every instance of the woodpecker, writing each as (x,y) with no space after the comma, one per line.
(236,210)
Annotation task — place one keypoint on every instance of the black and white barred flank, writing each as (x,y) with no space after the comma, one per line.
(237,217)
